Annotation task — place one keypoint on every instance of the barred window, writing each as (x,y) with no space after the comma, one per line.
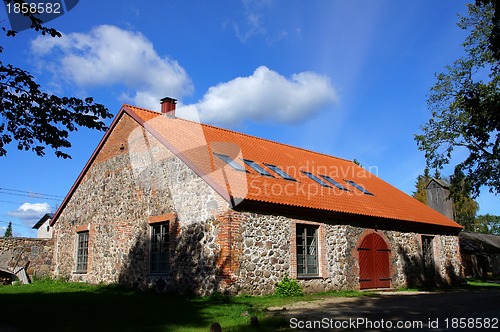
(159,250)
(82,252)
(428,254)
(307,250)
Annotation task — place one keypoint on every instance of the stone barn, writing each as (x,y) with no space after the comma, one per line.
(181,206)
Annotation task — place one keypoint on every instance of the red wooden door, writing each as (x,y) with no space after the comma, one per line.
(374,271)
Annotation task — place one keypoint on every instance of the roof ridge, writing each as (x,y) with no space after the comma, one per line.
(141,108)
(243,134)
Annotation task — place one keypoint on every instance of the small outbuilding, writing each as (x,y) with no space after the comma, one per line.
(43,228)
(480,254)
(438,197)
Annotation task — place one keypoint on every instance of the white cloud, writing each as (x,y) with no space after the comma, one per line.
(263,97)
(108,55)
(30,213)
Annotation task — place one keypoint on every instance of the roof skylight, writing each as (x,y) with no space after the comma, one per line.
(230,162)
(280,172)
(315,178)
(360,188)
(335,183)
(256,167)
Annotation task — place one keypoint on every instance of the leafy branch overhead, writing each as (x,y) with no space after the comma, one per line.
(34,119)
(465,105)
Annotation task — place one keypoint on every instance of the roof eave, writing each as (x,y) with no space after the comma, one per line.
(338,217)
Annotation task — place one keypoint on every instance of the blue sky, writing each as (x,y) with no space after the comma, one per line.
(345,78)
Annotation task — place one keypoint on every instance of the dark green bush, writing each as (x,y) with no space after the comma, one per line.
(288,287)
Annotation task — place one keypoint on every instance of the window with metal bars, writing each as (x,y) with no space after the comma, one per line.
(307,250)
(159,255)
(428,254)
(82,252)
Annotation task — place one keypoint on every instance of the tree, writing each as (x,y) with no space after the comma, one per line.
(36,119)
(8,230)
(464,212)
(488,224)
(465,105)
(420,184)
(494,37)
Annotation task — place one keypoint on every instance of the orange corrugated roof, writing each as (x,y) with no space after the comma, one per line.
(196,144)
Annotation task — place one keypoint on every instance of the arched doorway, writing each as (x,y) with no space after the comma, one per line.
(374,268)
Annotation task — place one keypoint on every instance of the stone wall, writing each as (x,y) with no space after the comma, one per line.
(33,254)
(135,180)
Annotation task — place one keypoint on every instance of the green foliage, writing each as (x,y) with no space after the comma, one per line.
(35,119)
(464,212)
(420,184)
(357,162)
(8,230)
(218,297)
(488,223)
(464,102)
(288,287)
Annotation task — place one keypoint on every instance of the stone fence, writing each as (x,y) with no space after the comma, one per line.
(35,255)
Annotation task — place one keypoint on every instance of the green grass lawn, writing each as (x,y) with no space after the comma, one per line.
(483,283)
(63,306)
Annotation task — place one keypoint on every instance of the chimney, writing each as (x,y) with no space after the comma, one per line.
(168,106)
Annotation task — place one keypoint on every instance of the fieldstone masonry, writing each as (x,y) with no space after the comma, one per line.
(135,180)
(35,255)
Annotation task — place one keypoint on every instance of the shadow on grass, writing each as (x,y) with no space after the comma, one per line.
(81,307)
(59,306)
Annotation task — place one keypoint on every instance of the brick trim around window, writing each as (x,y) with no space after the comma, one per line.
(82,228)
(82,252)
(321,247)
(162,218)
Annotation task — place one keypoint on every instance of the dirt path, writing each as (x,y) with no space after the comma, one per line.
(394,311)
